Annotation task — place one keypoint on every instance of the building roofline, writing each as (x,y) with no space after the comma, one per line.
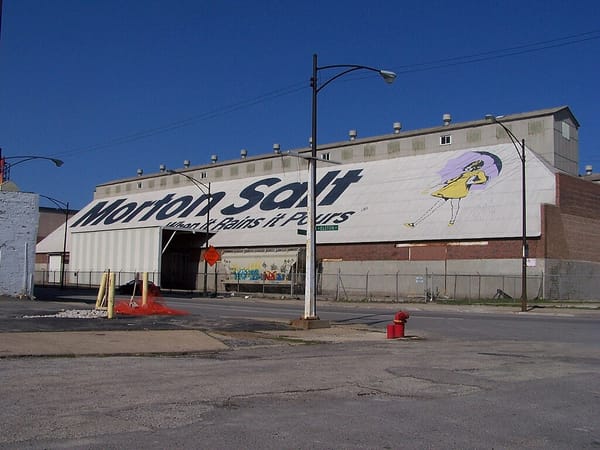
(366,140)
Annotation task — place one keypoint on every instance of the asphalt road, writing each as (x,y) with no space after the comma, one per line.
(460,322)
(472,378)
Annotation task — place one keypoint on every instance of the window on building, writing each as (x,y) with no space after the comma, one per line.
(325,156)
(566,130)
(445,139)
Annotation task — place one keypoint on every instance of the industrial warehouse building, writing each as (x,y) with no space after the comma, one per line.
(425,213)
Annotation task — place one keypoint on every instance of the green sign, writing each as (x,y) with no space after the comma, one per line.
(327,227)
(320,228)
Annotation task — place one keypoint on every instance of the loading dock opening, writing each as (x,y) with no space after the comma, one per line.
(181,258)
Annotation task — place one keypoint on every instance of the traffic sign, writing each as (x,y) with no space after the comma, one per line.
(212,255)
(303,232)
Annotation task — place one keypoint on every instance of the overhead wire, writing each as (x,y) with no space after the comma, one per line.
(300,86)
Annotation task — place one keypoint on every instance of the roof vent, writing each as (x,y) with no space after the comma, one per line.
(243,153)
(214,159)
(588,169)
(276,149)
(186,163)
(352,135)
(447,118)
(140,172)
(397,127)
(162,167)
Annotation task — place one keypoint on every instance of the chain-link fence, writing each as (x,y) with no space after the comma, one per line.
(426,286)
(87,279)
(395,287)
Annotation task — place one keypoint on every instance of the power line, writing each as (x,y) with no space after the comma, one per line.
(299,86)
(502,53)
(186,122)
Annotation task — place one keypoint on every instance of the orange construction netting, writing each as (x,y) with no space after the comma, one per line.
(135,307)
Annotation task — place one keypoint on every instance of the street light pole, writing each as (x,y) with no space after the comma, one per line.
(201,186)
(63,206)
(310,287)
(520,147)
(310,284)
(5,166)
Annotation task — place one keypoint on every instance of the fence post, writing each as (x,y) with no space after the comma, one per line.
(543,286)
(454,290)
(367,286)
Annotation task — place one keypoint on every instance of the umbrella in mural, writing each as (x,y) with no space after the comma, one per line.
(473,170)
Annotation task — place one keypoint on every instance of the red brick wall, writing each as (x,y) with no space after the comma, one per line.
(578,197)
(432,251)
(571,230)
(553,233)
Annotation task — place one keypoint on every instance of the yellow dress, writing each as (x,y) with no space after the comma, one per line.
(458,187)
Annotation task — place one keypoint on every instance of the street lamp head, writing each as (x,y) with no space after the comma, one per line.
(492,118)
(388,76)
(22,159)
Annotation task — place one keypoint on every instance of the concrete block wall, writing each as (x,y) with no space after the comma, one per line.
(19,219)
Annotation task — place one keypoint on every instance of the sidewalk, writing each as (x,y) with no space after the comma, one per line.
(113,343)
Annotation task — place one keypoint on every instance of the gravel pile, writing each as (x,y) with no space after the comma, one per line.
(74,314)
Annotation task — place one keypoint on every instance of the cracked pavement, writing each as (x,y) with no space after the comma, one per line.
(271,387)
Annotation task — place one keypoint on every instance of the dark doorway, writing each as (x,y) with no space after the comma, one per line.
(181,259)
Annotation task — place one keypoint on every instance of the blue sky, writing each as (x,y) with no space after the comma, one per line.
(113,86)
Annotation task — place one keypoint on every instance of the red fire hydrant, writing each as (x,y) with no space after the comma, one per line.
(396,329)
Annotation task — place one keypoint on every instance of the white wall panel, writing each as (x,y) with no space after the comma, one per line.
(427,197)
(126,250)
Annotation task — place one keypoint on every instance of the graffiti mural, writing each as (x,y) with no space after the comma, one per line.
(253,268)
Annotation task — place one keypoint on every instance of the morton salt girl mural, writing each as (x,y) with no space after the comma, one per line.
(470,171)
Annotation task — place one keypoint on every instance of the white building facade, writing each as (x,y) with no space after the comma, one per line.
(433,212)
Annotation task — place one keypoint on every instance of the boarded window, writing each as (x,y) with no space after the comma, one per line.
(347,154)
(418,144)
(535,127)
(369,150)
(393,147)
(473,135)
